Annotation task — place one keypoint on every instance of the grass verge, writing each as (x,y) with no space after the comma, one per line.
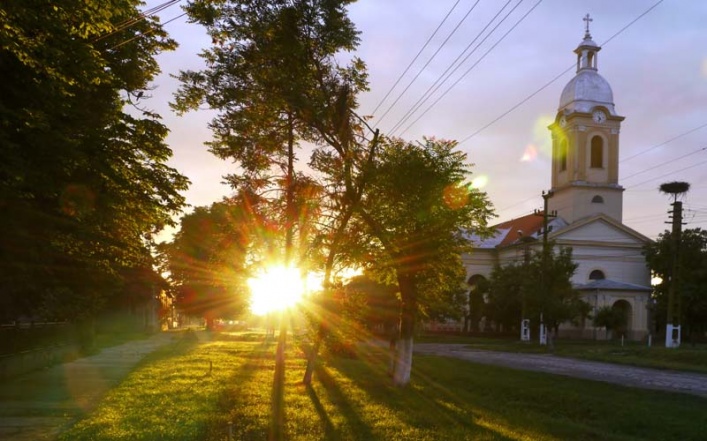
(176,395)
(686,358)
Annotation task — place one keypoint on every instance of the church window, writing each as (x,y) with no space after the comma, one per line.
(563,155)
(597,152)
(597,200)
(597,275)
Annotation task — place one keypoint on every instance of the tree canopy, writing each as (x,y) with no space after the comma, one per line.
(542,285)
(82,169)
(273,78)
(692,286)
(206,261)
(610,317)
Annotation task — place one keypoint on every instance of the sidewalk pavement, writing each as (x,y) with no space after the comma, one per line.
(665,380)
(38,405)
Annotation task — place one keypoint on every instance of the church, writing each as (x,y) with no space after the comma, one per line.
(584,208)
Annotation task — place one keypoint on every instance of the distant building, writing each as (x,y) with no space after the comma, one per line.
(586,194)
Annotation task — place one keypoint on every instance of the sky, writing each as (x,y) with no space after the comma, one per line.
(499,102)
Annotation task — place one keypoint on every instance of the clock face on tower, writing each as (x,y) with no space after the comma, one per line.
(598,116)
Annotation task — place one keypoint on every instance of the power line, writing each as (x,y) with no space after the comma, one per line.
(665,142)
(702,149)
(148,32)
(444,75)
(416,56)
(429,61)
(558,76)
(132,21)
(667,174)
(475,64)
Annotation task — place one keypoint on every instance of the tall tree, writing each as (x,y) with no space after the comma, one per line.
(85,179)
(693,278)
(206,261)
(409,228)
(273,77)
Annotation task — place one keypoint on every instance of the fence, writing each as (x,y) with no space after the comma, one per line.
(26,346)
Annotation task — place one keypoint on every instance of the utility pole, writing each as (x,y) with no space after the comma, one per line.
(672,331)
(672,327)
(545,214)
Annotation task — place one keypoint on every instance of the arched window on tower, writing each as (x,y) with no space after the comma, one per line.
(563,155)
(597,152)
(597,200)
(597,275)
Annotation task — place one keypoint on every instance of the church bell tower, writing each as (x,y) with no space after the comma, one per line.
(585,143)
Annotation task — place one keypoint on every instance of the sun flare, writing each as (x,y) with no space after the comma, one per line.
(275,289)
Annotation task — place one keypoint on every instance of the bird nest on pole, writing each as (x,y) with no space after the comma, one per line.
(675,188)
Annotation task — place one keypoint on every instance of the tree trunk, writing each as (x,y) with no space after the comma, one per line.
(312,356)
(403,362)
(281,342)
(393,333)
(354,199)
(404,347)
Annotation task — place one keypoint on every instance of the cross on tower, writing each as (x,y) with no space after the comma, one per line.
(587,19)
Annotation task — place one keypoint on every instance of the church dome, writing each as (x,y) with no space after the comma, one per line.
(585,91)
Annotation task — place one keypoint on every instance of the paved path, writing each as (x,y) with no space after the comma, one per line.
(37,405)
(646,378)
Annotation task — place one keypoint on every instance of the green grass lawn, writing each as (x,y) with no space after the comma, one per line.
(203,391)
(686,358)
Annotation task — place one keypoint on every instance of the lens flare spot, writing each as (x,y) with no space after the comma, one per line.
(480,182)
(541,135)
(704,68)
(530,153)
(455,196)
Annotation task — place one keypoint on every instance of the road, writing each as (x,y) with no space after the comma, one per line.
(672,381)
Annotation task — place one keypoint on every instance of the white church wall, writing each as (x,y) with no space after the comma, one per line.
(575,203)
(621,264)
(600,231)
(638,322)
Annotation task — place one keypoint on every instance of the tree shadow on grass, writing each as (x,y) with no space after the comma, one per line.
(243,408)
(329,431)
(424,404)
(277,429)
(343,406)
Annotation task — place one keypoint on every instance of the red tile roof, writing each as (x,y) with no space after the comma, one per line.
(529,225)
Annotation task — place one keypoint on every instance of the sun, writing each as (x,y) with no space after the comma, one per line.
(275,289)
